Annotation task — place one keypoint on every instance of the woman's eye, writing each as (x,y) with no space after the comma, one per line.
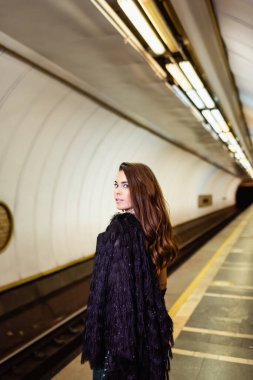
(125,186)
(116,185)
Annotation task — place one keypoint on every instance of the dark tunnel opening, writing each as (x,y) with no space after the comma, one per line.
(244,194)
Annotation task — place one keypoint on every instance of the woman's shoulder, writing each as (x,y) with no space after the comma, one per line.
(124,217)
(122,224)
(126,220)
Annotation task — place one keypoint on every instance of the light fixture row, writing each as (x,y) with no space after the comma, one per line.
(189,81)
(193,87)
(187,84)
(157,38)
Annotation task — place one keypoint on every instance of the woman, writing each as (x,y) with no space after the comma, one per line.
(128,333)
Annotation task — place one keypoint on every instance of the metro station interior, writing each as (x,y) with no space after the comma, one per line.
(84,86)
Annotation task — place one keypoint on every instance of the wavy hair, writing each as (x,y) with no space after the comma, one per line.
(150,209)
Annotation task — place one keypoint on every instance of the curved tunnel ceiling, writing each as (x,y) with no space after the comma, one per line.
(236,26)
(72,40)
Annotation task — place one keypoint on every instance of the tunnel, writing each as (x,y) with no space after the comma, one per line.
(83,90)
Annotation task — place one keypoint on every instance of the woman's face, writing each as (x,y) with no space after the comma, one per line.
(121,192)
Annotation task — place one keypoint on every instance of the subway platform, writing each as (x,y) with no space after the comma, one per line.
(210,298)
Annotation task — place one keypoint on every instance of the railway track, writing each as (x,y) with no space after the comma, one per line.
(44,356)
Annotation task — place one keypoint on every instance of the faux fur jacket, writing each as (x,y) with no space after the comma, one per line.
(126,314)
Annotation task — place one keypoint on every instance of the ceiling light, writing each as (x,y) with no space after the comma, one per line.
(141,24)
(231,139)
(157,20)
(180,94)
(232,148)
(238,149)
(223,137)
(118,24)
(196,82)
(195,99)
(177,74)
(218,116)
(206,98)
(250,172)
(209,117)
(240,155)
(245,163)
(191,74)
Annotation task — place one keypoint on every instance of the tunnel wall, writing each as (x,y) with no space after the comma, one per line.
(59,153)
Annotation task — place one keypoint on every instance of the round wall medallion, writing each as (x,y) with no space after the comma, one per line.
(6,226)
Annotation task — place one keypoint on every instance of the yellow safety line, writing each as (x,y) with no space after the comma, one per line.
(175,307)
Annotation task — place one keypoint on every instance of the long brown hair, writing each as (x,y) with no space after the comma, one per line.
(150,209)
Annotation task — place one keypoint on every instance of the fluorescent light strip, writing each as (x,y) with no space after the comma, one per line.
(141,24)
(240,155)
(250,172)
(117,23)
(196,82)
(191,74)
(223,137)
(157,20)
(180,94)
(195,99)
(231,139)
(206,98)
(218,116)
(209,117)
(238,149)
(233,148)
(245,163)
(128,36)
(177,74)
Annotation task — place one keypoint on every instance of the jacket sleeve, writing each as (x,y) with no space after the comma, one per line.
(121,299)
(110,317)
(93,342)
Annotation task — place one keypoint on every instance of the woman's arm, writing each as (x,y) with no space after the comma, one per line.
(163,279)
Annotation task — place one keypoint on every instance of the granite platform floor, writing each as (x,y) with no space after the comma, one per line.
(210,298)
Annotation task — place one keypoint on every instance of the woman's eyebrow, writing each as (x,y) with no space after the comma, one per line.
(122,182)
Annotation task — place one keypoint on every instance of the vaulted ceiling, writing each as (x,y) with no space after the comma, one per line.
(236,26)
(75,42)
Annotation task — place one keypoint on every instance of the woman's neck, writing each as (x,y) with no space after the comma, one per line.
(130,210)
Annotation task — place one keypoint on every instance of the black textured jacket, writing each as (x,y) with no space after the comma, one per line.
(126,313)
